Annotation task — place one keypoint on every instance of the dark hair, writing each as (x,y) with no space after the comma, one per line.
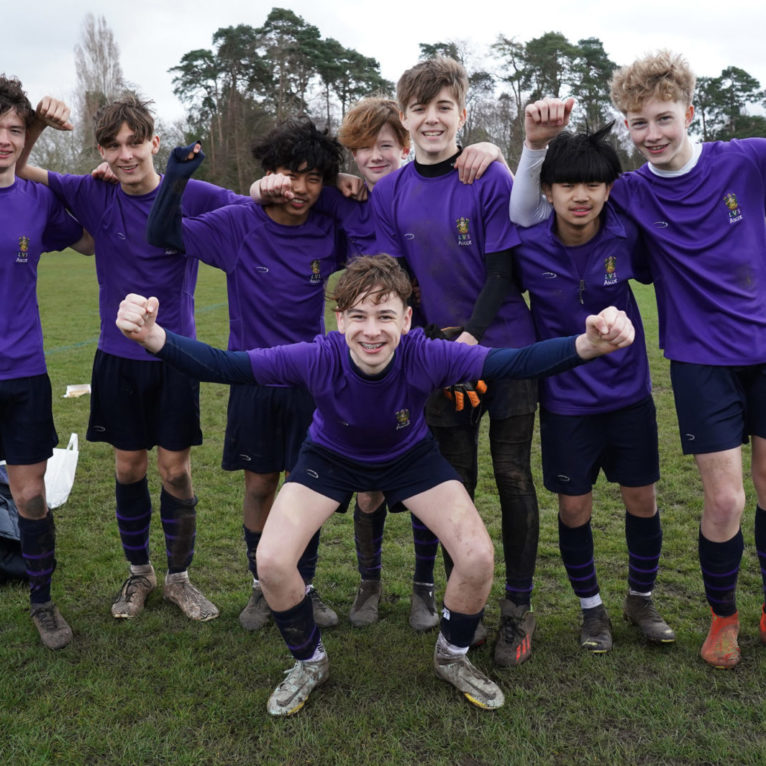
(129,110)
(374,275)
(12,96)
(296,144)
(581,158)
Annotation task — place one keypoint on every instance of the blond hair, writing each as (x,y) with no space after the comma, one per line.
(663,75)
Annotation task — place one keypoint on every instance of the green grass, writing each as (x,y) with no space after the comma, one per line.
(162,690)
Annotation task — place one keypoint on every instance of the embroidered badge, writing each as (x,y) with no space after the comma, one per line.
(735,214)
(316,275)
(402,419)
(22,256)
(610,270)
(463,234)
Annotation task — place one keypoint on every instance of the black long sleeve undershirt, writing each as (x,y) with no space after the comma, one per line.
(499,266)
(164,227)
(215,365)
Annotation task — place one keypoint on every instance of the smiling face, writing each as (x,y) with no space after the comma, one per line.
(306,186)
(578,207)
(131,159)
(434,126)
(373,330)
(659,130)
(383,157)
(13,133)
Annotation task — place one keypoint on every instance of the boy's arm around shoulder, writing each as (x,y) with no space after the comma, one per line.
(475,159)
(50,112)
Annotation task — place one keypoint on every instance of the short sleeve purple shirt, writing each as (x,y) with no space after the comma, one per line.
(126,263)
(32,221)
(351,407)
(565,286)
(355,218)
(706,238)
(276,275)
(444,229)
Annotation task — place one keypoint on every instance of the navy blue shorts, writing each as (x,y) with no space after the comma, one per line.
(718,407)
(265,428)
(138,404)
(504,399)
(332,475)
(623,443)
(27,433)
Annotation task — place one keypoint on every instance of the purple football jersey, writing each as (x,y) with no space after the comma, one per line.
(706,236)
(565,285)
(444,229)
(352,408)
(276,274)
(32,221)
(126,263)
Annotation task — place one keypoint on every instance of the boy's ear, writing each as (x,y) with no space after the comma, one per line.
(547,191)
(340,321)
(609,188)
(463,116)
(407,320)
(689,114)
(155,144)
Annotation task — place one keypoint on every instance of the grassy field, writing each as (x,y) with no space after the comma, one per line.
(162,690)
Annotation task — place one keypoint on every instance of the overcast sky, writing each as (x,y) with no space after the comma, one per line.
(38,44)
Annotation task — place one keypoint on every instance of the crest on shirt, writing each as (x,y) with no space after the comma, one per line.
(610,270)
(463,231)
(23,253)
(402,418)
(730,200)
(316,274)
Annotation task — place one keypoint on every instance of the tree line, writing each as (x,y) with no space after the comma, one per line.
(253,77)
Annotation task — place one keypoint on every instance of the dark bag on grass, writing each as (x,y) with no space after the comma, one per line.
(11,563)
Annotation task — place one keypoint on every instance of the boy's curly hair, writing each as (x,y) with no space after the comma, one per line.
(12,96)
(663,75)
(296,144)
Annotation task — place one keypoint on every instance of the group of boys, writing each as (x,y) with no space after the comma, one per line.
(445,218)
(700,211)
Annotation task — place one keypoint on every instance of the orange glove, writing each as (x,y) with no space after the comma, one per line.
(462,391)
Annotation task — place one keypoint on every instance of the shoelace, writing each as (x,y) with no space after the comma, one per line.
(512,629)
(47,618)
(130,586)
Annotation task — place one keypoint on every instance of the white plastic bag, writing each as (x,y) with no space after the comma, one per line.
(59,475)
